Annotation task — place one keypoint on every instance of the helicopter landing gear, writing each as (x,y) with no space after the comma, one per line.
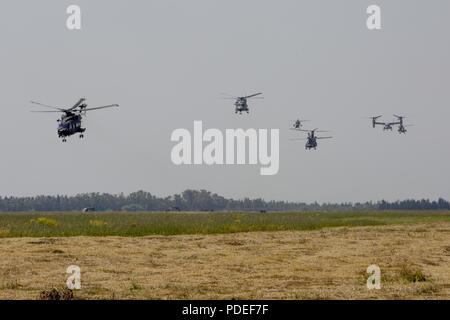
(64,140)
(81,136)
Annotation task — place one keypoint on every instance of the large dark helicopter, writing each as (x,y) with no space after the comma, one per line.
(241,104)
(311,140)
(390,125)
(70,121)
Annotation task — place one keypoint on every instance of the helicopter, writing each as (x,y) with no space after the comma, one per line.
(298,123)
(311,140)
(241,104)
(389,125)
(70,121)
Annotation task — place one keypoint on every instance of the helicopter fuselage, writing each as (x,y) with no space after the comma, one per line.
(69,125)
(311,143)
(241,105)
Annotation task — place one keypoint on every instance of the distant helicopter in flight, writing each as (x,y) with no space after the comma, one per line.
(70,121)
(311,140)
(241,104)
(390,125)
(298,124)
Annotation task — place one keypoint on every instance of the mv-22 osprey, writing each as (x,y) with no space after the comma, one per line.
(389,125)
(70,121)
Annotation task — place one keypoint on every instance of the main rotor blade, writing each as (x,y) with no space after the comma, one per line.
(47,106)
(253,95)
(297,139)
(104,107)
(324,137)
(57,111)
(76,105)
(296,129)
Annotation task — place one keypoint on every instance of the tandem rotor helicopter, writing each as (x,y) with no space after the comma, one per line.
(311,140)
(241,104)
(70,121)
(389,125)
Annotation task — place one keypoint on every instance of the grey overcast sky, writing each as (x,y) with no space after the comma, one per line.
(166,62)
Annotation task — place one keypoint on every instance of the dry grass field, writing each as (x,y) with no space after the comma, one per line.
(329,263)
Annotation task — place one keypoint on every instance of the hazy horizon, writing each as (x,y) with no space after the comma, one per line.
(231,198)
(166,63)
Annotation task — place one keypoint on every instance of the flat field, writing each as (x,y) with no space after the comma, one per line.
(214,256)
(63,224)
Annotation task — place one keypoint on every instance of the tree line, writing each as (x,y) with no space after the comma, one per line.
(196,200)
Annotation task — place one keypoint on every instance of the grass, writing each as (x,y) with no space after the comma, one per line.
(326,263)
(45,222)
(11,285)
(61,224)
(135,286)
(412,275)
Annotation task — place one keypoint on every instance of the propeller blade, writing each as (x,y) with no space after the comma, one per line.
(254,95)
(297,129)
(103,107)
(55,111)
(47,106)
